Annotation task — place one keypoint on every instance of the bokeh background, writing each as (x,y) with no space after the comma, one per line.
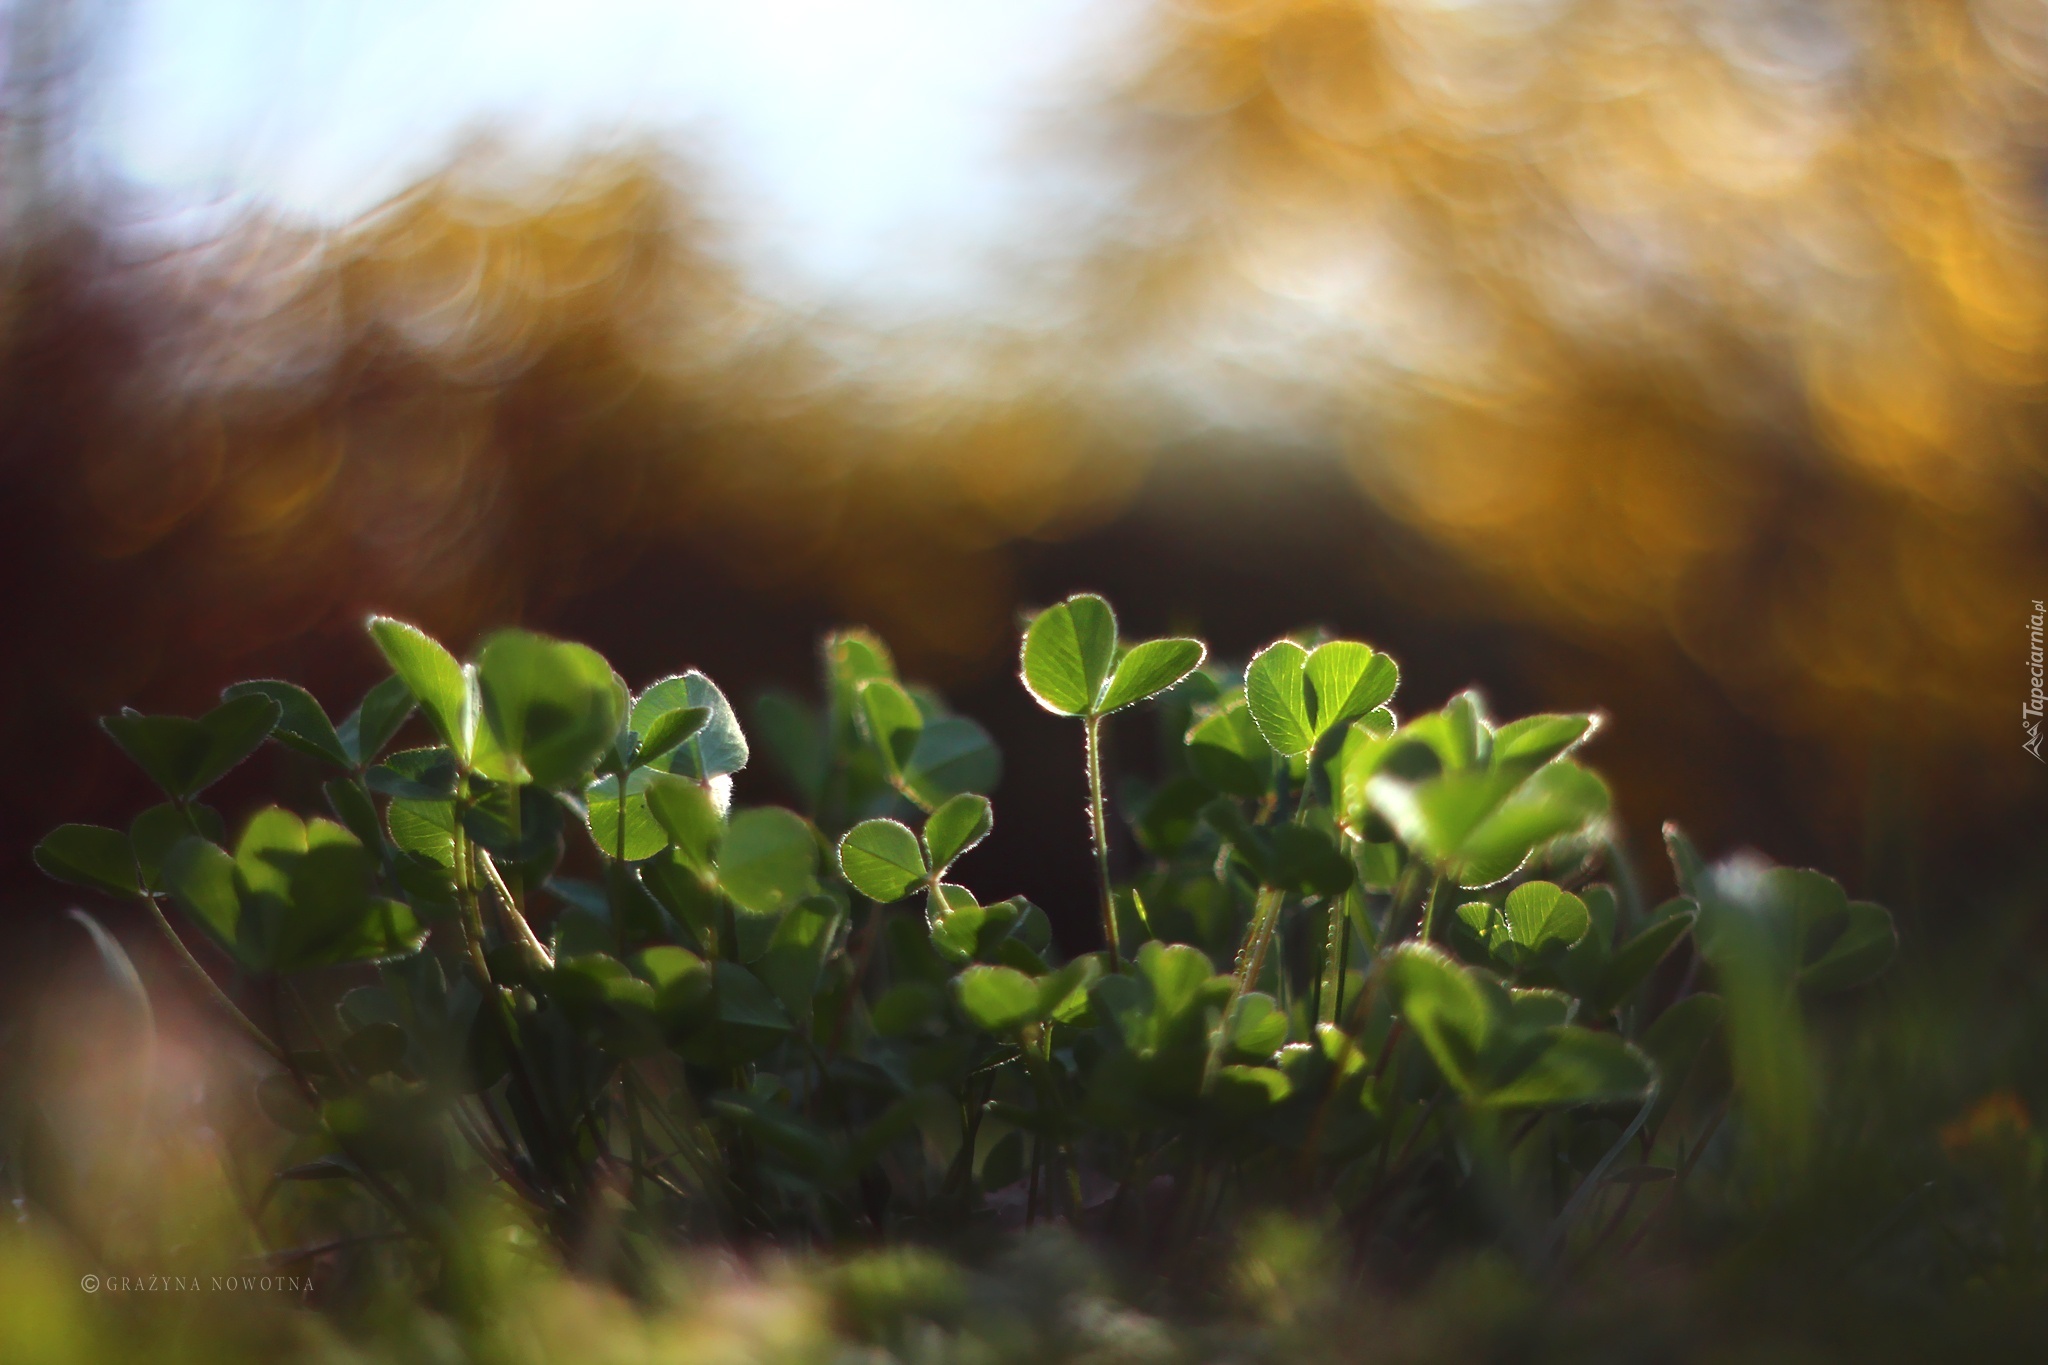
(1682,360)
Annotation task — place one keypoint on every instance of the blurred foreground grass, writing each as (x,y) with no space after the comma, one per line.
(1922,1234)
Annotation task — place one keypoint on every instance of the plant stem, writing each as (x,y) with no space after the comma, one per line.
(1336,949)
(1251,959)
(469,916)
(516,927)
(220,997)
(1100,826)
(1436,887)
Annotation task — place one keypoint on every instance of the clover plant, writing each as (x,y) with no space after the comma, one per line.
(537,946)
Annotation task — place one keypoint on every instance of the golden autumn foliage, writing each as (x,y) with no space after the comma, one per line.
(1726,322)
(1707,340)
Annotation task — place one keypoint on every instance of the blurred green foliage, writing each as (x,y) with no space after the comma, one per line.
(541,1017)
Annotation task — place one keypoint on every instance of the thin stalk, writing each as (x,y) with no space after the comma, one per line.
(1099,824)
(1436,887)
(1591,1183)
(1266,911)
(1251,958)
(469,916)
(205,978)
(516,927)
(1336,949)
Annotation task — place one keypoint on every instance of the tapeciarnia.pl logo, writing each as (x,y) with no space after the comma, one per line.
(2037,700)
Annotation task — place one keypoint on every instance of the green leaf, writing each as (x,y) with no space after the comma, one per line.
(955,920)
(1297,697)
(953,755)
(1749,932)
(797,951)
(750,1019)
(603,996)
(415,775)
(1068,650)
(1538,916)
(1349,680)
(891,722)
(1863,950)
(1536,740)
(330,915)
(1258,1026)
(955,827)
(423,827)
(685,811)
(553,708)
(1246,1091)
(351,804)
(768,860)
(89,855)
(1538,1009)
(1466,732)
(155,832)
(200,878)
(1148,669)
(681,980)
(1179,975)
(1559,799)
(670,729)
(644,836)
(719,749)
(996,999)
(1675,1043)
(1478,825)
(1633,962)
(366,730)
(851,658)
(436,681)
(302,723)
(1578,1066)
(1063,995)
(1366,745)
(1447,1011)
(295,895)
(882,860)
(795,736)
(1227,751)
(233,729)
(1685,861)
(184,756)
(1276,691)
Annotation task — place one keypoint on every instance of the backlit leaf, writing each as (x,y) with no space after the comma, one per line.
(891,721)
(302,722)
(768,860)
(718,749)
(955,827)
(1068,650)
(882,860)
(1276,691)
(687,814)
(366,730)
(1348,680)
(435,680)
(997,999)
(553,708)
(1150,668)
